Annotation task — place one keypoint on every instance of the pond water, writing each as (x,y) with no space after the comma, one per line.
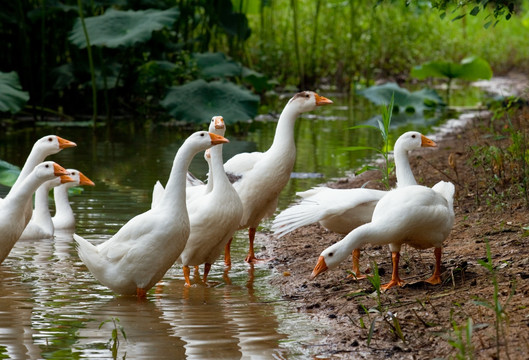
(51,307)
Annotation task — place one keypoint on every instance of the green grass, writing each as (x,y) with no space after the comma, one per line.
(357,42)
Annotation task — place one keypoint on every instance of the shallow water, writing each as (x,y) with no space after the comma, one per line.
(52,307)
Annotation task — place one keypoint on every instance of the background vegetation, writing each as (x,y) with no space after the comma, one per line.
(143,51)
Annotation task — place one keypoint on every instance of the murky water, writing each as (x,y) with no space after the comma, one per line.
(51,307)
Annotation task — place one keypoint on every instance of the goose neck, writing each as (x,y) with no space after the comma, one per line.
(60,194)
(402,168)
(219,179)
(34,158)
(175,190)
(284,134)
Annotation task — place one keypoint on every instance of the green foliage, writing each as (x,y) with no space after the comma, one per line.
(503,165)
(471,69)
(417,101)
(499,309)
(113,342)
(500,8)
(12,98)
(117,28)
(461,339)
(197,101)
(216,65)
(383,128)
(8,173)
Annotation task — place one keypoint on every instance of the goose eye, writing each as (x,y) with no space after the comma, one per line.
(413,136)
(307,96)
(202,134)
(46,166)
(331,254)
(50,139)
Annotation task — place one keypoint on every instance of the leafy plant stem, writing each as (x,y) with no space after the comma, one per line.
(90,62)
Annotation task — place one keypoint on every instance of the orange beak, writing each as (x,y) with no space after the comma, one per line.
(219,122)
(425,142)
(217,139)
(320,100)
(320,267)
(58,170)
(66,179)
(83,180)
(63,143)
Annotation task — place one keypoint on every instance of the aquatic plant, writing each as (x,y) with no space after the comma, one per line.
(383,129)
(12,97)
(471,69)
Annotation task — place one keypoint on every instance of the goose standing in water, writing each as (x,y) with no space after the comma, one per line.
(13,206)
(44,147)
(141,252)
(214,215)
(64,218)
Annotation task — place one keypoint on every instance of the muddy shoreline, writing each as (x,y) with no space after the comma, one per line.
(427,315)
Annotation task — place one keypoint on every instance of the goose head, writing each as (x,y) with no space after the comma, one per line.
(202,140)
(307,101)
(413,140)
(217,125)
(48,170)
(52,144)
(79,178)
(330,258)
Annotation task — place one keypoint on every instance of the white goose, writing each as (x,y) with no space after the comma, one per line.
(141,252)
(214,216)
(45,146)
(260,176)
(194,186)
(12,208)
(64,218)
(342,210)
(41,226)
(415,215)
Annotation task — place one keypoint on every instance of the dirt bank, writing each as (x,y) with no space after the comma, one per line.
(427,315)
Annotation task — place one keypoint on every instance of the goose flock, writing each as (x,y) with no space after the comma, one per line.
(191,223)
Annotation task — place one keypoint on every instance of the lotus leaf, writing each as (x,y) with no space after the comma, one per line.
(199,100)
(12,98)
(122,28)
(417,101)
(8,173)
(216,65)
(472,68)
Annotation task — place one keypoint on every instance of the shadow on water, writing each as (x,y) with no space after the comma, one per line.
(51,306)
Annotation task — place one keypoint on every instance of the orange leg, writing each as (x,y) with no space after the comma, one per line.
(250,258)
(227,253)
(436,277)
(207,267)
(395,279)
(141,293)
(186,275)
(356,266)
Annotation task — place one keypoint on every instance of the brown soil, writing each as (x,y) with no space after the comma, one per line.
(426,313)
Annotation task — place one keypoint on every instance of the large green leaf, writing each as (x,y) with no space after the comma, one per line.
(122,28)
(199,100)
(216,65)
(417,101)
(8,173)
(12,98)
(472,68)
